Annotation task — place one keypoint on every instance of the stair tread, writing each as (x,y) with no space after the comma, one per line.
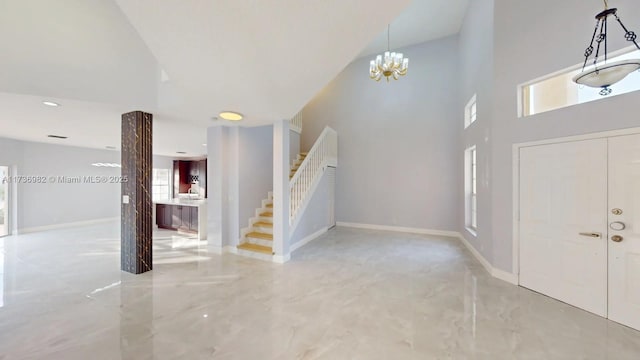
(269,206)
(260,235)
(263,224)
(256,248)
(267,214)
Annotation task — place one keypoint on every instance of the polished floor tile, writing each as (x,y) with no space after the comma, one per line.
(351,294)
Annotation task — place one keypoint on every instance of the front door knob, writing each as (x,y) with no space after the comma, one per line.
(617,238)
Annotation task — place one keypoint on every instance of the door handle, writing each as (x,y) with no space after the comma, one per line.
(591,234)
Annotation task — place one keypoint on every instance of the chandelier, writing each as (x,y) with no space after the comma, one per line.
(604,74)
(392,65)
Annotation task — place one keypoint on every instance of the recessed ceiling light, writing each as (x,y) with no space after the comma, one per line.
(57,136)
(181,152)
(204,144)
(231,116)
(51,103)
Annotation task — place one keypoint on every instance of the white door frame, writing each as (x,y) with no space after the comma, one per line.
(516,179)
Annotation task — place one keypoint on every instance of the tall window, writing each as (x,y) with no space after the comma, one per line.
(470,112)
(471,189)
(161,184)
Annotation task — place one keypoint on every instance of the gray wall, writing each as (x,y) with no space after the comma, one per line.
(316,215)
(255,146)
(531,41)
(476,77)
(47,204)
(398,141)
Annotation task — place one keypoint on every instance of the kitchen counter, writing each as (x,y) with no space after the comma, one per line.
(182,215)
(183,202)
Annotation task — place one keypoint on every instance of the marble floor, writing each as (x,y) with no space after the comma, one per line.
(351,294)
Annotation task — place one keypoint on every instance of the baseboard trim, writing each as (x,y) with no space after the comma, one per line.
(65,225)
(230,249)
(400,229)
(309,239)
(281,259)
(496,273)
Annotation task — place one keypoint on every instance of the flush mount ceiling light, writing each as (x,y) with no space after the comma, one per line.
(51,103)
(231,115)
(392,65)
(605,74)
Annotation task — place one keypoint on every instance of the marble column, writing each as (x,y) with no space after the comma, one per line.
(137,212)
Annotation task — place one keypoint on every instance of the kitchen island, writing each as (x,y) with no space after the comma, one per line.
(183,215)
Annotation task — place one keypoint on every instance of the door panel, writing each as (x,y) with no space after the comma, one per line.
(624,256)
(4,201)
(563,192)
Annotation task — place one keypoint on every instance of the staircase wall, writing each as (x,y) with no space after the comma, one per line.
(294,145)
(255,147)
(316,215)
(398,141)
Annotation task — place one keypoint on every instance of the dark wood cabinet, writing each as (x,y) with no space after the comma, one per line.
(160,214)
(177,217)
(194,219)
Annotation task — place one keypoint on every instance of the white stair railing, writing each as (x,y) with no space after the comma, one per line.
(323,153)
(296,123)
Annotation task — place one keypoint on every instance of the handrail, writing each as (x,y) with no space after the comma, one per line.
(323,153)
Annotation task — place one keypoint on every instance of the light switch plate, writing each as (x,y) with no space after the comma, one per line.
(125,199)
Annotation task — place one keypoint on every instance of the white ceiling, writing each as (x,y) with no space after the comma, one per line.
(421,21)
(102,58)
(90,124)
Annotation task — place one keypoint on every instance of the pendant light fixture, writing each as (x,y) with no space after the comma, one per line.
(392,65)
(604,74)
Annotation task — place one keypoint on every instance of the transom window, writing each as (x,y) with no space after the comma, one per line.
(556,91)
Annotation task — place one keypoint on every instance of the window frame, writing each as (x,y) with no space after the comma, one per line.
(471,111)
(471,189)
(155,185)
(526,90)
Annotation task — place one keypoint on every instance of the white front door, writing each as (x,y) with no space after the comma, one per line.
(624,220)
(4,203)
(563,222)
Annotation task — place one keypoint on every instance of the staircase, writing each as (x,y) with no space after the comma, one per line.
(257,239)
(296,164)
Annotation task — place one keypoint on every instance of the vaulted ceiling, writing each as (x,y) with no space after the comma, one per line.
(184,61)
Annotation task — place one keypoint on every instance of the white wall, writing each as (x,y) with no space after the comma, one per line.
(316,214)
(54,203)
(398,141)
(476,77)
(256,169)
(531,41)
(294,145)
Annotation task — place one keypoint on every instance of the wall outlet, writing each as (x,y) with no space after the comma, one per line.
(125,199)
